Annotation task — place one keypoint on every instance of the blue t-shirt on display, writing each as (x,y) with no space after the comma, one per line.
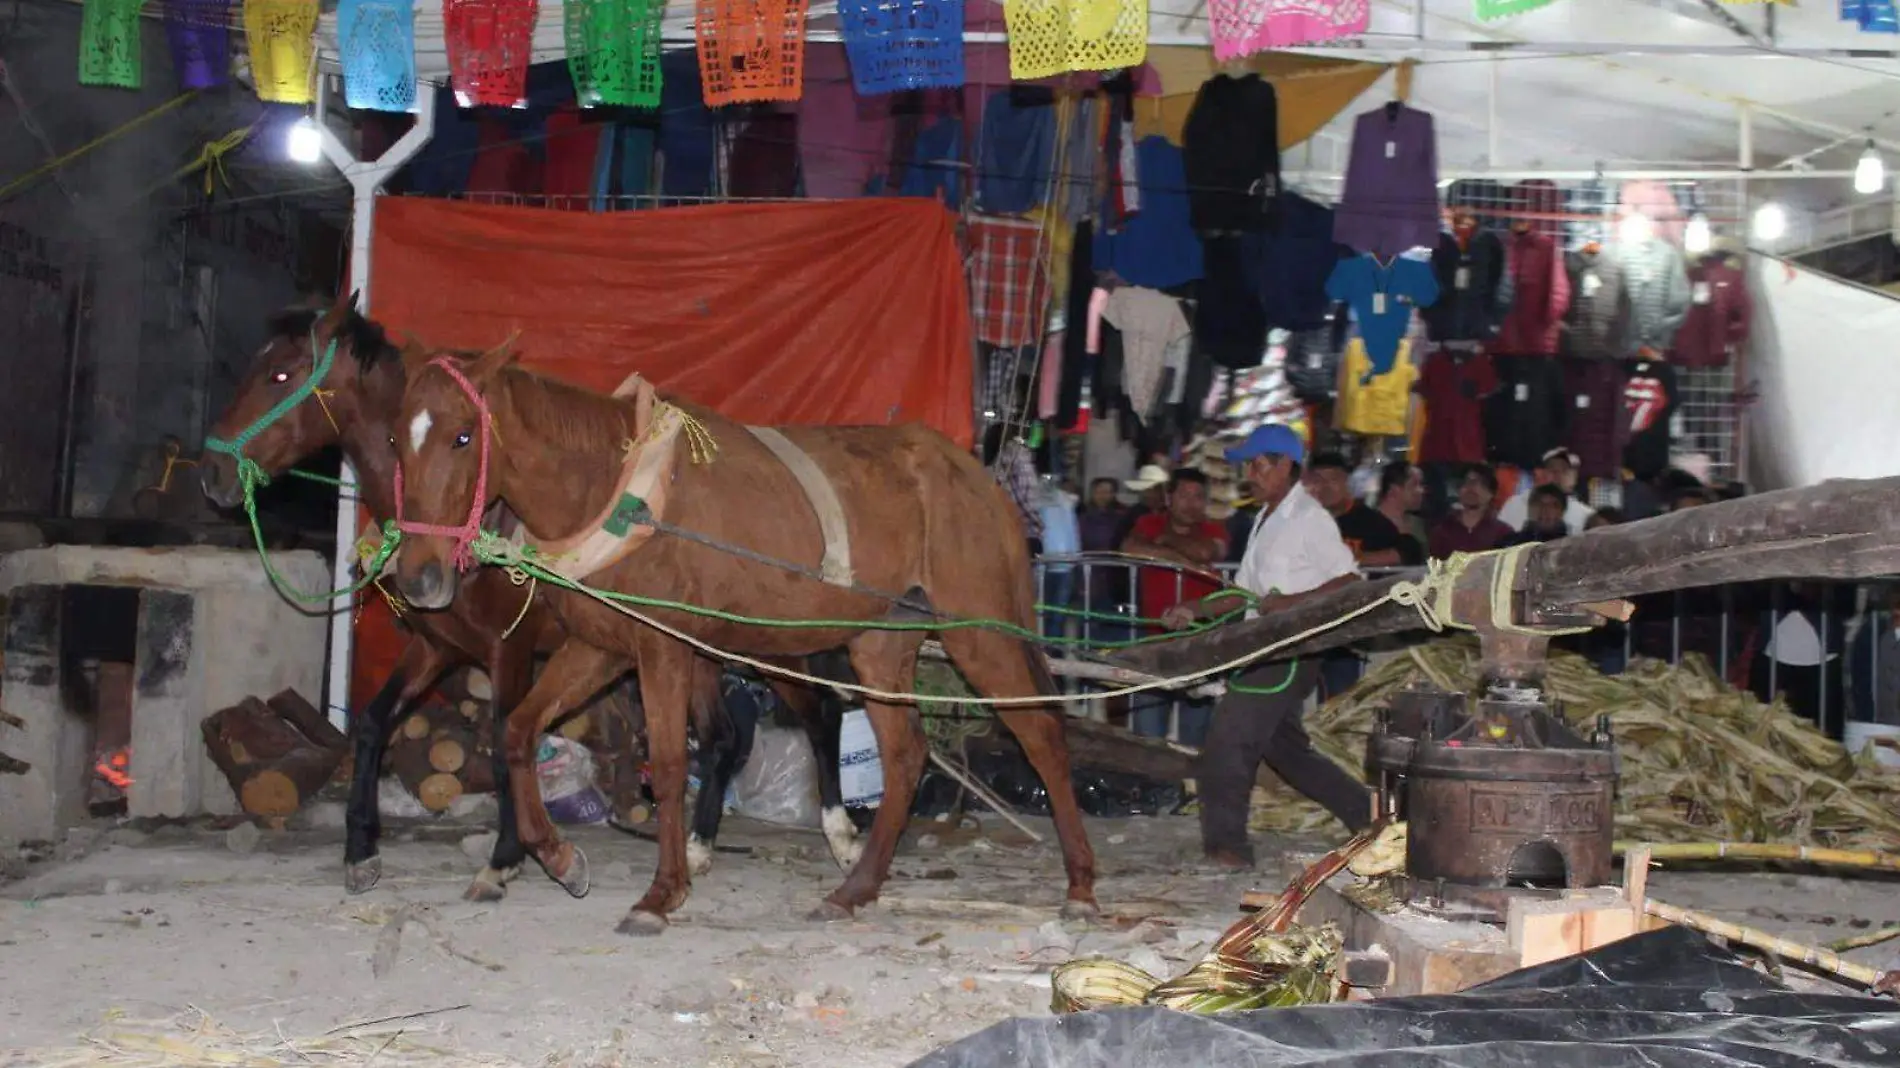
(1382,297)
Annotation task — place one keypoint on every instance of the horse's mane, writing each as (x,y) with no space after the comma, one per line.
(564,415)
(365,336)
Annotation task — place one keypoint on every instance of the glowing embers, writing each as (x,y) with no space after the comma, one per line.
(109,44)
(1048,37)
(903,44)
(282,46)
(378,41)
(750,49)
(489,42)
(199,34)
(1243,27)
(613,51)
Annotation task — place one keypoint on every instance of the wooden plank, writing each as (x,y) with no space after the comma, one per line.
(1540,931)
(1428,956)
(1842,529)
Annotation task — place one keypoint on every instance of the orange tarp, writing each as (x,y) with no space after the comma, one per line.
(843,313)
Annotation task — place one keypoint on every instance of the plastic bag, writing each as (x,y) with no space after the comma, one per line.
(779,783)
(1666,999)
(566,771)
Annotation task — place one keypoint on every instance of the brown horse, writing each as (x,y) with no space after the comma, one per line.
(919,516)
(356,410)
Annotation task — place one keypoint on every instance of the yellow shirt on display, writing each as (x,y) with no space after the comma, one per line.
(1380,406)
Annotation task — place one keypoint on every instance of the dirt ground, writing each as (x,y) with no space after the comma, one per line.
(254,932)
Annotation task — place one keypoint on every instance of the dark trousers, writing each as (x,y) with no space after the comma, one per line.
(1249,728)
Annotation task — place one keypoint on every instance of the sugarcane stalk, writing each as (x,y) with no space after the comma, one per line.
(1774,851)
(1812,956)
(1862,941)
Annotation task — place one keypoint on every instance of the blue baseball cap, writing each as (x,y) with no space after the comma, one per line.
(1273,439)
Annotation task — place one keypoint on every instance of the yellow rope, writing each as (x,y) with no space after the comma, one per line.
(516,575)
(63,159)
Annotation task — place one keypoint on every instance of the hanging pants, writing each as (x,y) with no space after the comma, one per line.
(1249,728)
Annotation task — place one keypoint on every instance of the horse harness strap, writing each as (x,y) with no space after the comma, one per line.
(639,498)
(836,565)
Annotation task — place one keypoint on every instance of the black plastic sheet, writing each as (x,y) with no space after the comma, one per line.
(1667,999)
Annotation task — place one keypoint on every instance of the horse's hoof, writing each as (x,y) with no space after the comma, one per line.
(642,924)
(829,911)
(1081,910)
(699,857)
(575,881)
(360,877)
(488,885)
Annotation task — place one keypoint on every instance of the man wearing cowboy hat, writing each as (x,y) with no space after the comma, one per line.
(1294,553)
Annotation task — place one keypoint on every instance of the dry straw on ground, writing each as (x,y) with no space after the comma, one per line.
(193,1039)
(1701,761)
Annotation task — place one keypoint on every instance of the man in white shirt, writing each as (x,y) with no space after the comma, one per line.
(1294,553)
(1558,468)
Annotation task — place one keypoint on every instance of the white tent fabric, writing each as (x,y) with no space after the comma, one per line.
(1822,351)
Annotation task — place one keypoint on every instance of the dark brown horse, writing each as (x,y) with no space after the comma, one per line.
(919,517)
(356,410)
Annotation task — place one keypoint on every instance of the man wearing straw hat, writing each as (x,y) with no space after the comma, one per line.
(1294,553)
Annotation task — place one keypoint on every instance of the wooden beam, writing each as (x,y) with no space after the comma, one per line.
(1841,529)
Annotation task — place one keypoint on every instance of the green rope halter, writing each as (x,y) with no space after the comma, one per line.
(250,475)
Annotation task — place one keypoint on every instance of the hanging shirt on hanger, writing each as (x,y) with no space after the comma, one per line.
(1597,423)
(1525,417)
(1230,147)
(1157,248)
(1382,296)
(1649,404)
(1597,325)
(1390,202)
(1454,386)
(1016,144)
(1716,323)
(1474,288)
(1374,404)
(1659,293)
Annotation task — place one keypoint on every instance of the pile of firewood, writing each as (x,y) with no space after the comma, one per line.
(279,753)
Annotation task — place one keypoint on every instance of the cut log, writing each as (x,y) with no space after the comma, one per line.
(438,791)
(472,710)
(417,726)
(475,683)
(447,755)
(273,766)
(611,738)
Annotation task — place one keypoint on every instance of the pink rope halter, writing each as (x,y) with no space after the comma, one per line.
(464,535)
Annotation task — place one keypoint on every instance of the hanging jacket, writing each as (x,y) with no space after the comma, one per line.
(1474,310)
(1016,144)
(1656,202)
(1230,148)
(1540,294)
(1658,288)
(1597,325)
(1720,309)
(1157,248)
(1546,207)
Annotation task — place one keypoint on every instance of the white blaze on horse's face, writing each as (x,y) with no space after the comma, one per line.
(419,430)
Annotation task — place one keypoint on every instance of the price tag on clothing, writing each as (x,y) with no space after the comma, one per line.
(1523,392)
(1461,278)
(1591,283)
(1378,304)
(1312,360)
(1583,401)
(1699,293)
(1391,150)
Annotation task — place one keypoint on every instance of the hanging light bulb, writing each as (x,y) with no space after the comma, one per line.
(1871,172)
(1770,222)
(304,142)
(1695,236)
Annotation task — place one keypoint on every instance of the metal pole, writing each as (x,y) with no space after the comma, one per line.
(1491,114)
(69,412)
(366,180)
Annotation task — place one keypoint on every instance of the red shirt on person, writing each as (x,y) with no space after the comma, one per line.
(1162,588)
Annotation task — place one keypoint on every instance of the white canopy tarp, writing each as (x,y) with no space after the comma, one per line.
(1824,354)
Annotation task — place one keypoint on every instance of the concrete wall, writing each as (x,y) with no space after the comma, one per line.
(176,288)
